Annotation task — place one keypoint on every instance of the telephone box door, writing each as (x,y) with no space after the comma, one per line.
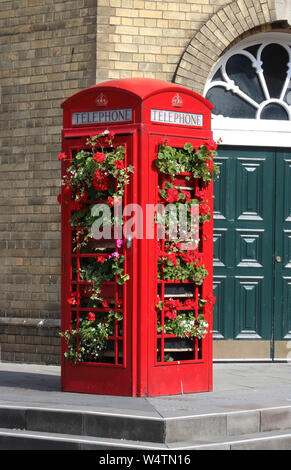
(179,365)
(98,370)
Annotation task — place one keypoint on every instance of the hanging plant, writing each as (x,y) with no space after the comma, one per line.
(198,162)
(96,175)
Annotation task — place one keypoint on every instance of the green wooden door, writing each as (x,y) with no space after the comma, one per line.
(252,236)
(282,255)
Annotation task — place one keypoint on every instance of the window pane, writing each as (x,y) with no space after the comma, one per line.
(274,111)
(275,59)
(239,69)
(230,105)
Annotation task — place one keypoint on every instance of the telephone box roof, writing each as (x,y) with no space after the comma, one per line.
(139,87)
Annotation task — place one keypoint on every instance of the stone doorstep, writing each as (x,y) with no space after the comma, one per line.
(146,428)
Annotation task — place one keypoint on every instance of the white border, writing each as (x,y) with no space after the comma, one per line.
(251,132)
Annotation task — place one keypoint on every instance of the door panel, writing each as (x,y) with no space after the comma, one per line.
(243,241)
(282,257)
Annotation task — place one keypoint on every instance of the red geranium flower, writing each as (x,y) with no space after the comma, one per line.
(62,156)
(186,194)
(119,164)
(101,258)
(172,195)
(189,303)
(78,205)
(100,181)
(170,304)
(99,157)
(72,300)
(211,299)
(175,303)
(82,196)
(109,135)
(98,175)
(91,316)
(204,209)
(171,314)
(211,145)
(189,257)
(172,257)
(200,194)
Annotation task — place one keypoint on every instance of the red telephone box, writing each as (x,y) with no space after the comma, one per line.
(143,298)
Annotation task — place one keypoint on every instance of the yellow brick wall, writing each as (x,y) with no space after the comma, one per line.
(140,38)
(146,38)
(47,53)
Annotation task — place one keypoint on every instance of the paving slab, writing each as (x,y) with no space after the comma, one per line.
(238,387)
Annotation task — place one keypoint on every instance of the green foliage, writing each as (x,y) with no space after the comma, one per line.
(186,325)
(90,340)
(194,163)
(173,161)
(80,174)
(183,271)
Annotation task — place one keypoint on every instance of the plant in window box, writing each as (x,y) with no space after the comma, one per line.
(198,162)
(185,266)
(103,268)
(184,325)
(180,319)
(94,171)
(90,340)
(173,195)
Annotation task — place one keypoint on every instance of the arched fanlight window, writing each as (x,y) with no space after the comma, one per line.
(252,80)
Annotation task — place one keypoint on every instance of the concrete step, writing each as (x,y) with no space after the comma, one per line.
(272,440)
(33,440)
(146,428)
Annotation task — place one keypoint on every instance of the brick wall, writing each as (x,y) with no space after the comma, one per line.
(48,52)
(141,38)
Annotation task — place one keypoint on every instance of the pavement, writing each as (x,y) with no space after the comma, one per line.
(236,387)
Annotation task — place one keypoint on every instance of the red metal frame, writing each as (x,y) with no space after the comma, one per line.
(139,371)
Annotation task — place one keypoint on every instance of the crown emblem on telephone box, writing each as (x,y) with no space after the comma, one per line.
(177,101)
(101,100)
